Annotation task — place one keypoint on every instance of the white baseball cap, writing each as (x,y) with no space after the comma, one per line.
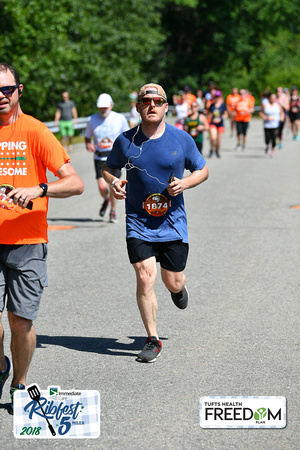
(104,101)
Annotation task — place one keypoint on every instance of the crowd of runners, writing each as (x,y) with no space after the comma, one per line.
(207,110)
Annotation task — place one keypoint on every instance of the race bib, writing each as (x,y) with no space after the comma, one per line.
(194,132)
(156,205)
(105,143)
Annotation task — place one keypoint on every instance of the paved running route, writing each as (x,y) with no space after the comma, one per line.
(239,335)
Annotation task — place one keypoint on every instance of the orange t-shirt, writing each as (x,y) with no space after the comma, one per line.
(242,109)
(231,101)
(251,99)
(27,150)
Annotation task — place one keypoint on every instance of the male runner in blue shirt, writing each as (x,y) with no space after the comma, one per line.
(155,155)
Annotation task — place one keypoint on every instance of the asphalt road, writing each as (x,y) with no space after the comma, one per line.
(239,335)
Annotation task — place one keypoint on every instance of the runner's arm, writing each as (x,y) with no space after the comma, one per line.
(116,185)
(89,146)
(261,112)
(282,115)
(69,184)
(205,123)
(75,114)
(194,179)
(225,114)
(57,115)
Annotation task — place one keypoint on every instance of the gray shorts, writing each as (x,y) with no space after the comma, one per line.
(23,276)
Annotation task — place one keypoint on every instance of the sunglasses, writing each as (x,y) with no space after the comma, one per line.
(158,101)
(9,90)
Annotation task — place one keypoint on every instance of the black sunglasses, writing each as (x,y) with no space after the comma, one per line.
(9,90)
(158,101)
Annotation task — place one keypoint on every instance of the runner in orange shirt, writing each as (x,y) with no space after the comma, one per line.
(231,101)
(27,150)
(243,114)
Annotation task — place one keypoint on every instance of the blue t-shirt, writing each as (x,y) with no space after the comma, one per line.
(149,164)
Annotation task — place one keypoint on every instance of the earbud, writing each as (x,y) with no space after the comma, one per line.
(20,92)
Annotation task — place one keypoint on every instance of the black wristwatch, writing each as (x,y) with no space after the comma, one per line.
(45,189)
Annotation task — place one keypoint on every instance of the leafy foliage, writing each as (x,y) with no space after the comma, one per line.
(116,46)
(236,43)
(85,48)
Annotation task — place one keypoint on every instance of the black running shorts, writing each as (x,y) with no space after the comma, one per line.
(171,255)
(98,168)
(241,128)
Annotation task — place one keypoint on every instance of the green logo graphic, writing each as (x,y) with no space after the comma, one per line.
(260,414)
(17,158)
(53,391)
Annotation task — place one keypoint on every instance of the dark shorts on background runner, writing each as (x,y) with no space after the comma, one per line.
(171,255)
(98,168)
(294,116)
(242,127)
(23,276)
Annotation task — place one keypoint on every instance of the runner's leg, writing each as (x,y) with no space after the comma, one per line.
(23,343)
(113,200)
(103,187)
(174,281)
(213,138)
(146,299)
(219,137)
(2,359)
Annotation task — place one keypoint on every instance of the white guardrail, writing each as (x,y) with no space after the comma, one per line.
(79,125)
(82,121)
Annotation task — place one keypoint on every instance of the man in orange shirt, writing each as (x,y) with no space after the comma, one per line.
(27,150)
(243,114)
(231,101)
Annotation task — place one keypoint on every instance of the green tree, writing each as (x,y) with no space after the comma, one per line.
(86,48)
(239,43)
(112,46)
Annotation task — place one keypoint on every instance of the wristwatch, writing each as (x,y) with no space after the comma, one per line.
(45,189)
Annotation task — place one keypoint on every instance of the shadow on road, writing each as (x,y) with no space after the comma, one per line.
(5,406)
(103,346)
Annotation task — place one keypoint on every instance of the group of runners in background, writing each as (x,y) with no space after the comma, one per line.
(207,111)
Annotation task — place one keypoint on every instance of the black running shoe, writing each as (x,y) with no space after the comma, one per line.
(4,375)
(13,389)
(104,207)
(151,351)
(181,298)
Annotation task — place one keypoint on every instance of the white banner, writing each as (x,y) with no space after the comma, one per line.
(56,413)
(242,412)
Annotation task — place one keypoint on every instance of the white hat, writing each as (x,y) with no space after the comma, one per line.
(104,101)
